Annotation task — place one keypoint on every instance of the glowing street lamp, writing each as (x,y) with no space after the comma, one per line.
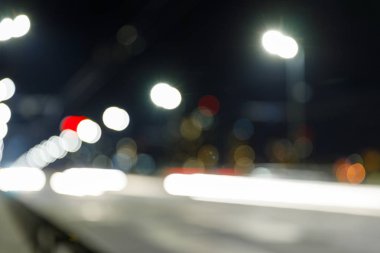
(285,47)
(165,96)
(14,28)
(274,42)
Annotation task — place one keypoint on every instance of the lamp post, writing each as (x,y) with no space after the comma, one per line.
(285,47)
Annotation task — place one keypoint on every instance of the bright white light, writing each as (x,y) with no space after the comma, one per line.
(5,113)
(6,29)
(322,196)
(7,89)
(43,154)
(271,41)
(165,96)
(276,43)
(53,147)
(21,26)
(3,130)
(34,158)
(89,131)
(22,179)
(116,118)
(70,141)
(87,181)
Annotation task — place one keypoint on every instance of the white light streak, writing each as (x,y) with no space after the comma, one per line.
(322,196)
(22,179)
(87,181)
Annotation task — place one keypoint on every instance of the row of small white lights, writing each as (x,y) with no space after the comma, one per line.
(7,90)
(14,28)
(48,151)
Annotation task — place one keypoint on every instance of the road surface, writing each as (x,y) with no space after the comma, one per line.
(143,218)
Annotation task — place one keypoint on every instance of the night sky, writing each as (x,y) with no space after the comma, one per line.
(72,62)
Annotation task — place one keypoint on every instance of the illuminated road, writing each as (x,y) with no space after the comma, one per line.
(143,218)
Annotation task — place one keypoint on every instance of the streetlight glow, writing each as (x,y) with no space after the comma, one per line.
(21,26)
(165,96)
(89,131)
(14,28)
(116,118)
(274,42)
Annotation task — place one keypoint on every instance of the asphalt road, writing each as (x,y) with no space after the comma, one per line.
(12,238)
(143,218)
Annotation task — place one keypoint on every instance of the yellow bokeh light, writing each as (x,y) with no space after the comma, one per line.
(209,155)
(190,130)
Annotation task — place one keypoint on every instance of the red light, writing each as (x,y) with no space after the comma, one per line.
(71,122)
(209,105)
(181,170)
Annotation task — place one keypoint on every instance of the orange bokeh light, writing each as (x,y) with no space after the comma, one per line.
(349,173)
(356,173)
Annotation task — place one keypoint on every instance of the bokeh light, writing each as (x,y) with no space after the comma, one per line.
(190,129)
(7,89)
(21,26)
(5,113)
(243,129)
(126,154)
(371,160)
(127,35)
(200,119)
(244,157)
(145,164)
(102,161)
(6,29)
(3,130)
(348,172)
(209,155)
(209,105)
(193,163)
(89,131)
(71,122)
(165,96)
(116,118)
(70,141)
(276,43)
(14,28)
(54,147)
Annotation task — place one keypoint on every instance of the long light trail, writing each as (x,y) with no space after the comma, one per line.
(319,196)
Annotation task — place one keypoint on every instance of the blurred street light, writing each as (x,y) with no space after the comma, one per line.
(7,89)
(116,118)
(14,28)
(274,42)
(89,131)
(165,96)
